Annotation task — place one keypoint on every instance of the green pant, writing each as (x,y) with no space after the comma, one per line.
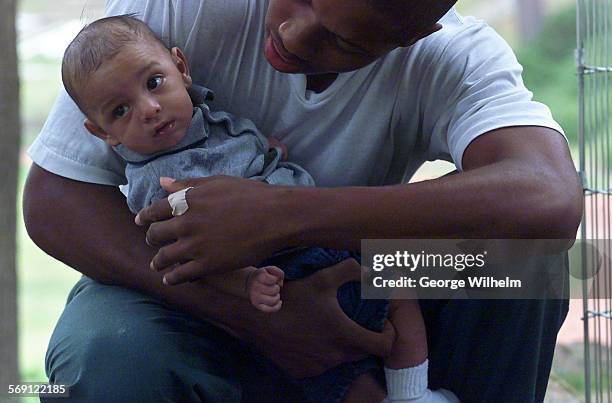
(116,345)
(112,344)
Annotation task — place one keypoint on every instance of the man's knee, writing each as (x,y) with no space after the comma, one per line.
(132,352)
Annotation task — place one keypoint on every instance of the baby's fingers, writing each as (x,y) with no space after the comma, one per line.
(269,309)
(269,300)
(270,290)
(266,278)
(276,272)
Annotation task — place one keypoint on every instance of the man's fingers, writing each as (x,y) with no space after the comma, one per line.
(161,210)
(341,273)
(169,255)
(184,273)
(161,233)
(367,342)
(171,185)
(157,211)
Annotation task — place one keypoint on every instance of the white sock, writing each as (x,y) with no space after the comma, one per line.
(407,383)
(410,385)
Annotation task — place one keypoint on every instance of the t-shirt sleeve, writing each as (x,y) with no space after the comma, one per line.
(66,148)
(472,86)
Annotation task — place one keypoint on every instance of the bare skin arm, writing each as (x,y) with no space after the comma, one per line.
(90,228)
(517,183)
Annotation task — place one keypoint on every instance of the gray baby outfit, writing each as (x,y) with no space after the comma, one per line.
(216,143)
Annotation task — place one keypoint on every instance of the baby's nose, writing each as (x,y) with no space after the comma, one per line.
(149,108)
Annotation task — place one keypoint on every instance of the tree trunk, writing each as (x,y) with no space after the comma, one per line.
(9,163)
(530,14)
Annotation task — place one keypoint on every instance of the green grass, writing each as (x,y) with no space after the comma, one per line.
(43,284)
(40,85)
(577,383)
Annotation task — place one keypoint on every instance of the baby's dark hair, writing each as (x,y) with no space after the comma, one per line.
(98,42)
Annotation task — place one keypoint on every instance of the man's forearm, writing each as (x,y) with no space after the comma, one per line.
(496,197)
(89,228)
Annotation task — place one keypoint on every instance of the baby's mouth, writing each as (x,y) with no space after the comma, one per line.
(164,128)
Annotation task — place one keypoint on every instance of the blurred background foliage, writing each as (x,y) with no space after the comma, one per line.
(549,65)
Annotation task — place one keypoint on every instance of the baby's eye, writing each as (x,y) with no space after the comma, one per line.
(120,111)
(154,82)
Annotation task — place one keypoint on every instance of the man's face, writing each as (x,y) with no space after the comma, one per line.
(332,36)
(139,98)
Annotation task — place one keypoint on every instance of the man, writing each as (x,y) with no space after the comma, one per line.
(377,88)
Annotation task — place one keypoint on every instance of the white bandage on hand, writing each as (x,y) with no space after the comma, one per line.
(178,202)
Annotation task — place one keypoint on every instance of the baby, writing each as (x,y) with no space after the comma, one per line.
(138,96)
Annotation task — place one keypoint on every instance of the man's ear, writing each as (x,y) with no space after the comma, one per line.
(423,34)
(100,133)
(180,61)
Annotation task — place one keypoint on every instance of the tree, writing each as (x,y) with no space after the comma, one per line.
(9,163)
(530,15)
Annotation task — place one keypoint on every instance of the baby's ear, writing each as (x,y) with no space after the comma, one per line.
(187,80)
(100,133)
(180,60)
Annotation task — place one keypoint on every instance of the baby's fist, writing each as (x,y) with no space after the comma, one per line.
(264,288)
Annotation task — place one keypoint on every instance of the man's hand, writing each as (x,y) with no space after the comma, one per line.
(311,333)
(264,288)
(229,224)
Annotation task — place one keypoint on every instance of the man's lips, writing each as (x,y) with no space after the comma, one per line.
(284,53)
(164,127)
(280,59)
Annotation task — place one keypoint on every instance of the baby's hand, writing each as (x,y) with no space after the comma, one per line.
(274,142)
(264,287)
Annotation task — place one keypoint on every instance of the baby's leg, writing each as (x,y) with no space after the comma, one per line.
(406,365)
(410,347)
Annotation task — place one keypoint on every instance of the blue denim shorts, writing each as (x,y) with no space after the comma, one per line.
(332,385)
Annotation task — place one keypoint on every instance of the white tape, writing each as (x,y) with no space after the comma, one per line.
(178,201)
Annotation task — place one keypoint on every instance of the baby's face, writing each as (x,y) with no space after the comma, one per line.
(139,98)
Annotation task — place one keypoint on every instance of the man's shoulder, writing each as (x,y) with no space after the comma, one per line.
(462,46)
(459,35)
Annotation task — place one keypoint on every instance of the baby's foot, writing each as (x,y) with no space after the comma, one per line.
(430,396)
(263,288)
(410,385)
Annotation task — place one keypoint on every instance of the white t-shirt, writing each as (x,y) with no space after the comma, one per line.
(372,126)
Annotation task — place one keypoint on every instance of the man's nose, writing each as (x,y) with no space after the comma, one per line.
(301,34)
(149,107)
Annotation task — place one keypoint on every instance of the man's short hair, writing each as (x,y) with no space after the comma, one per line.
(96,43)
(424,13)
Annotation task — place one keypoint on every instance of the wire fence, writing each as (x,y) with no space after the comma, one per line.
(594,37)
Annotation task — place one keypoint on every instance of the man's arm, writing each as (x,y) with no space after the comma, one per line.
(518,182)
(90,228)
